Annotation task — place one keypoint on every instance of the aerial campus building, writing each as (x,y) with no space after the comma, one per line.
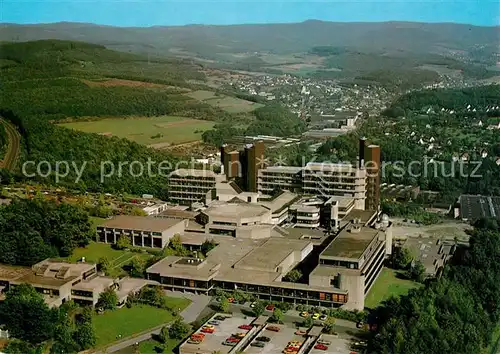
(60,281)
(267,221)
(258,261)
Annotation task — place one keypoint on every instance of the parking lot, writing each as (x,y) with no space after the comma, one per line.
(213,341)
(337,345)
(278,340)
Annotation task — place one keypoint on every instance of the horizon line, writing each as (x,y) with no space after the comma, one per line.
(247,24)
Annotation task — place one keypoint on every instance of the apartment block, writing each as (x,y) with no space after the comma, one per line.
(142,231)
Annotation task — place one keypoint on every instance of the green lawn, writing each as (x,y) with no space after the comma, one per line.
(130,321)
(149,346)
(387,285)
(147,130)
(117,258)
(227,103)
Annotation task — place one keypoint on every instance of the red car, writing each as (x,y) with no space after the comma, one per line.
(208,330)
(233,340)
(270,307)
(320,347)
(273,328)
(246,327)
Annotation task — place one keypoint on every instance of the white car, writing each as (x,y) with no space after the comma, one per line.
(252,305)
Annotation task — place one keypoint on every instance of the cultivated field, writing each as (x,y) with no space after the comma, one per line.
(229,104)
(155,131)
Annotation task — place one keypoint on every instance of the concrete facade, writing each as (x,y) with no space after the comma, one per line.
(142,231)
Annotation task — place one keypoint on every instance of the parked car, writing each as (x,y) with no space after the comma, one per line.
(300,332)
(323,317)
(273,328)
(208,330)
(316,316)
(191,341)
(220,318)
(258,344)
(208,326)
(270,307)
(324,342)
(321,347)
(214,323)
(233,339)
(239,335)
(229,343)
(295,343)
(263,339)
(197,336)
(252,305)
(304,314)
(246,327)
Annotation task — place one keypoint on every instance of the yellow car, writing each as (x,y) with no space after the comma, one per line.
(316,316)
(208,327)
(304,314)
(295,343)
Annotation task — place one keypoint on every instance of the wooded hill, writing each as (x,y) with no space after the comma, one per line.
(46,81)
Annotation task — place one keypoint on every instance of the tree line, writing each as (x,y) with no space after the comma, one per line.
(32,230)
(272,119)
(454,314)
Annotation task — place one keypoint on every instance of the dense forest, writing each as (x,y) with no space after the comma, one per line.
(455,314)
(269,120)
(47,81)
(33,230)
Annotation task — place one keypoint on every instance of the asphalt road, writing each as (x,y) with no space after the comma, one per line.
(10,158)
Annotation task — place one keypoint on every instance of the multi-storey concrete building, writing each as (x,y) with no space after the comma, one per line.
(142,231)
(256,260)
(187,186)
(273,178)
(355,257)
(329,180)
(243,165)
(360,181)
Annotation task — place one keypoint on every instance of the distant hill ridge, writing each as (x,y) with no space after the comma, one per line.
(278,38)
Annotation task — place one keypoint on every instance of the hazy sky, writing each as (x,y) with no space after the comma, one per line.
(180,12)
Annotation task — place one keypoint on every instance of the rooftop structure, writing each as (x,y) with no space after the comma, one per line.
(140,223)
(142,231)
(474,207)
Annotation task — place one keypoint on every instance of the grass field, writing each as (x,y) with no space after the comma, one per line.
(150,346)
(117,259)
(229,104)
(129,321)
(387,285)
(147,131)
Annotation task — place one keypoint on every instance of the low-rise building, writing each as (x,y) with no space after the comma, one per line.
(142,231)
(58,281)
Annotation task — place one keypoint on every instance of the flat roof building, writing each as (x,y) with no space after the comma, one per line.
(346,268)
(61,281)
(142,231)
